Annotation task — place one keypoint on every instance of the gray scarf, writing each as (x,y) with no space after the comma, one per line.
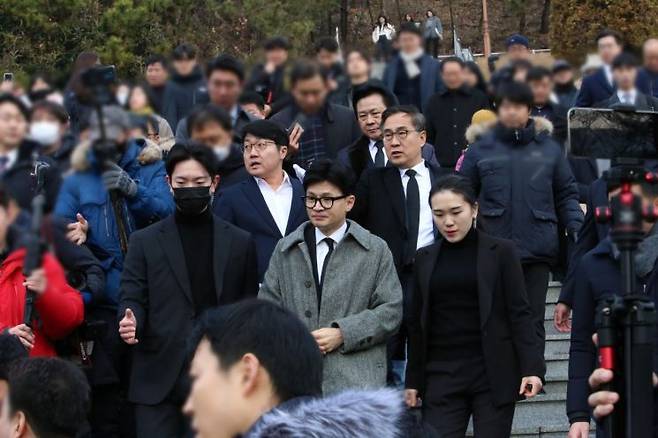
(647,253)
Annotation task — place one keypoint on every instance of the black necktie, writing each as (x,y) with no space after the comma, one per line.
(413,216)
(379,155)
(330,243)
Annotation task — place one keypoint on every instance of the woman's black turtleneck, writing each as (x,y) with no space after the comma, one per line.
(454,320)
(196,235)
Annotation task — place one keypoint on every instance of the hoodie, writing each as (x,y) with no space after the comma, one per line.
(353,414)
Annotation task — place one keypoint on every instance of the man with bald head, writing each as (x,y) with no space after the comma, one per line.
(648,76)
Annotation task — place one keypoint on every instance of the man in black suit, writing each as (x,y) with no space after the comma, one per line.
(392,202)
(175,270)
(600,85)
(326,127)
(370,100)
(624,71)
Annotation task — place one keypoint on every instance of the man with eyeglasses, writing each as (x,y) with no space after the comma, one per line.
(392,202)
(269,204)
(340,280)
(370,100)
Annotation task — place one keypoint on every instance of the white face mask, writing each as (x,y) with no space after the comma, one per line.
(222,152)
(45,133)
(122,97)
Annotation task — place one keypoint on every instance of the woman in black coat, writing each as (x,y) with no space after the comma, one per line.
(472,347)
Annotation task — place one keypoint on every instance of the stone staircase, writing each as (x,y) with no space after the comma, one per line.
(545,415)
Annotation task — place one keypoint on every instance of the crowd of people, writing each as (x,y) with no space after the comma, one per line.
(303,249)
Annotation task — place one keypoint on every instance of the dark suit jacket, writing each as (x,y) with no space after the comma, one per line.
(340,126)
(595,88)
(643,102)
(237,206)
(430,77)
(357,156)
(155,286)
(511,348)
(380,207)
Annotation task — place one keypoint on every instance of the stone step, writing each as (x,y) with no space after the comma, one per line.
(557,367)
(556,343)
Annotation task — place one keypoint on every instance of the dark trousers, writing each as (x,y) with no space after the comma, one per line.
(396,347)
(383,49)
(456,390)
(432,46)
(165,419)
(536,286)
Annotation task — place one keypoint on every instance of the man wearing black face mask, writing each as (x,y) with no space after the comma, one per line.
(174,271)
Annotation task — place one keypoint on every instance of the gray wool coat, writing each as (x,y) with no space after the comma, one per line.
(361,295)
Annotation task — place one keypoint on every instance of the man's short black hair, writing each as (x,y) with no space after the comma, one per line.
(610,33)
(515,92)
(252,97)
(280,341)
(326,43)
(277,42)
(331,171)
(226,63)
(410,27)
(53,394)
(10,98)
(538,73)
(54,109)
(304,70)
(206,114)
(184,51)
(156,59)
(454,59)
(11,350)
(368,89)
(192,150)
(625,60)
(417,118)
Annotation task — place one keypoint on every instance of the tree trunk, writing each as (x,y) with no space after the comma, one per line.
(399,9)
(372,19)
(522,19)
(344,7)
(545,17)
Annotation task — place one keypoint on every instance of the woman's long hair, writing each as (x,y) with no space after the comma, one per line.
(379,24)
(84,61)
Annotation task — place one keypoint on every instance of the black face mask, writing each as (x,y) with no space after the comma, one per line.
(192,201)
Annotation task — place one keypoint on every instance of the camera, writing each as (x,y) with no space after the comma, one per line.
(98,81)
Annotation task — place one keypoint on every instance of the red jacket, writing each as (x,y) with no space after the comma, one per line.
(59,309)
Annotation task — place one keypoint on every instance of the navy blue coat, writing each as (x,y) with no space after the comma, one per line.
(647,82)
(430,77)
(243,205)
(597,275)
(595,88)
(525,186)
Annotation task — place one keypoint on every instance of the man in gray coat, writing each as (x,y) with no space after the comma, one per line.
(340,280)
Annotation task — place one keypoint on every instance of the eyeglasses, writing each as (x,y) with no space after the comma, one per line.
(259,147)
(401,134)
(326,202)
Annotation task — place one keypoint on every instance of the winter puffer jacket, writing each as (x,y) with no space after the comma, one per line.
(58,310)
(83,192)
(525,187)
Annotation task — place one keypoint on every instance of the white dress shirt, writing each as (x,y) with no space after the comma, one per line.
(373,152)
(278,201)
(322,249)
(631,94)
(608,74)
(426,225)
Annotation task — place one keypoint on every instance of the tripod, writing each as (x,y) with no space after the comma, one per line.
(625,322)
